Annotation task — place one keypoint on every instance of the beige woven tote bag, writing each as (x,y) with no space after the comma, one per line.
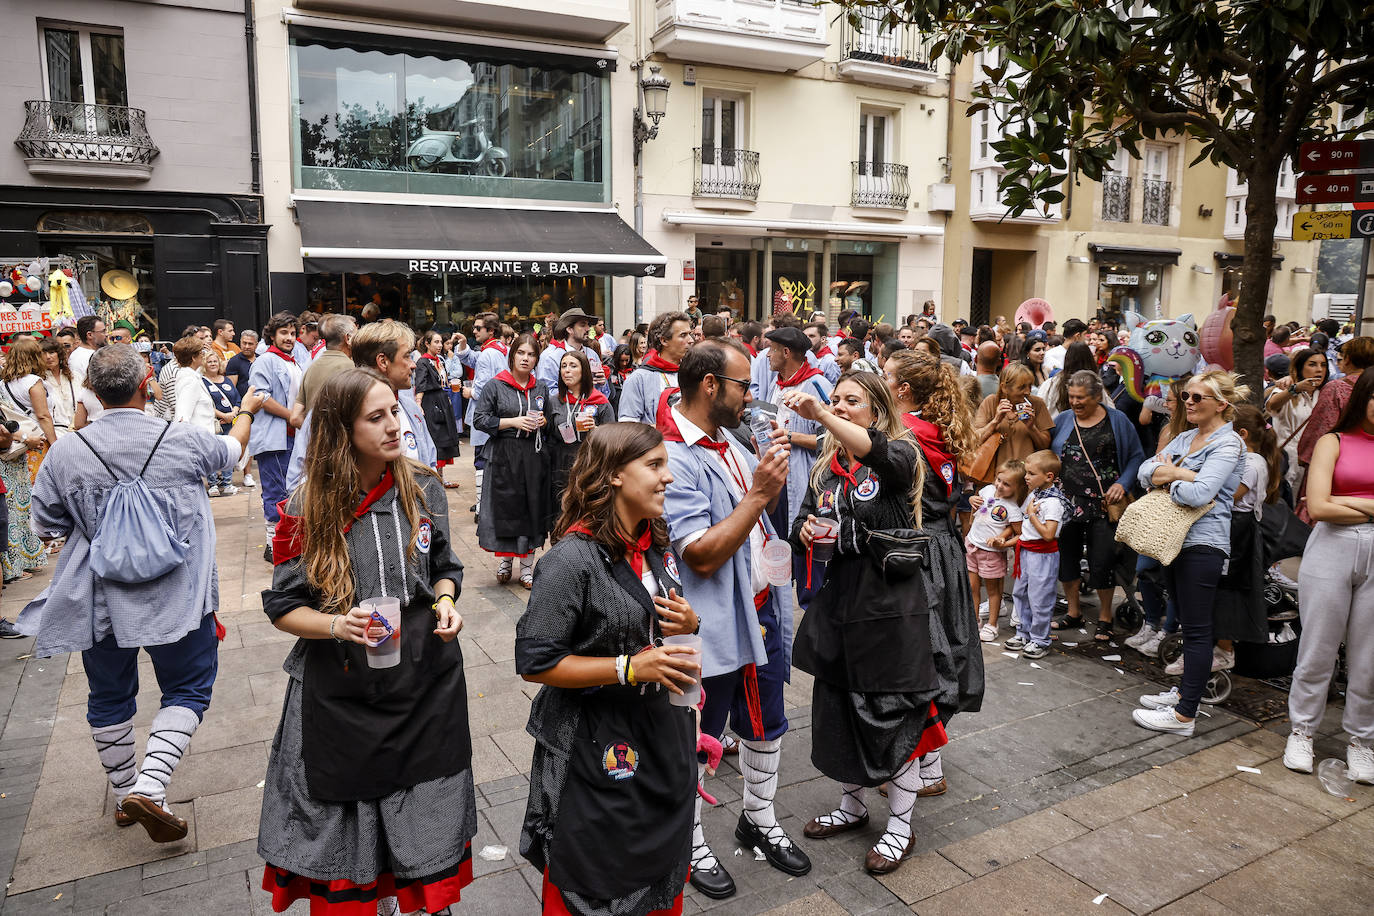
(1155,525)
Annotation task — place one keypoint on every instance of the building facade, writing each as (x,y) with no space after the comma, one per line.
(1155,236)
(795,166)
(133,157)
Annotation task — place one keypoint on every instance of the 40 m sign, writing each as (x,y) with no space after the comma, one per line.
(1334,224)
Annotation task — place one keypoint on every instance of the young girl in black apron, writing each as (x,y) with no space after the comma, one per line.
(513,518)
(613,779)
(432,389)
(866,638)
(578,409)
(369,792)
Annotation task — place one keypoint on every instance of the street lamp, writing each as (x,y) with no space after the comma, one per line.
(653,105)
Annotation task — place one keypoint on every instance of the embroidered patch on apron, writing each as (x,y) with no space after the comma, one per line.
(423,535)
(670,564)
(411,443)
(620,761)
(539,402)
(947,472)
(827,503)
(866,490)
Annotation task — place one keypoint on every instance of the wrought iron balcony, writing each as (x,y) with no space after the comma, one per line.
(73,138)
(729,173)
(880,184)
(1116,198)
(1154,210)
(902,46)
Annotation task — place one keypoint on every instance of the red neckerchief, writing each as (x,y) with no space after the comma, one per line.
(372,496)
(840,471)
(315,350)
(505,376)
(285,356)
(634,550)
(824,351)
(430,356)
(752,351)
(932,442)
(495,344)
(558,345)
(805,372)
(654,361)
(595,399)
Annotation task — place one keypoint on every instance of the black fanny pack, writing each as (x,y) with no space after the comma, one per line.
(899,553)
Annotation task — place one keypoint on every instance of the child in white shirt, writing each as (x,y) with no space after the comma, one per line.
(996,520)
(1037,556)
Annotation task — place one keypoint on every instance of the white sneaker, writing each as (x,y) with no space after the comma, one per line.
(1222,660)
(1276,576)
(1166,700)
(1150,647)
(213,491)
(228,490)
(1359,764)
(983,611)
(987,633)
(1162,720)
(1142,636)
(248,481)
(1015,621)
(1175,667)
(1297,754)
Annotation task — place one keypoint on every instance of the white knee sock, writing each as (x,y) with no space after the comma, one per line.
(901,799)
(702,857)
(478,475)
(759,762)
(527,565)
(171,734)
(932,769)
(115,745)
(851,809)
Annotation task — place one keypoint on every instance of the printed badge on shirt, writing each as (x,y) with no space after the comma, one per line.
(424,536)
(620,761)
(866,490)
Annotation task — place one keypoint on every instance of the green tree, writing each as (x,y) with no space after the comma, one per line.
(1249,80)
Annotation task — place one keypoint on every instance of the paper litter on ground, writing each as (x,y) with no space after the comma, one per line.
(1111,658)
(1034,665)
(1025,683)
(1119,671)
(1254,770)
(1011,655)
(1069,645)
(493,853)
(1099,898)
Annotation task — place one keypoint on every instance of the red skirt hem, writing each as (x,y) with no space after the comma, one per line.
(344,898)
(934,737)
(554,905)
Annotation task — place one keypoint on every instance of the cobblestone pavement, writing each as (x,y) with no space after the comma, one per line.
(1055,797)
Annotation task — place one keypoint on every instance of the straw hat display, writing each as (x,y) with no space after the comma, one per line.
(119,284)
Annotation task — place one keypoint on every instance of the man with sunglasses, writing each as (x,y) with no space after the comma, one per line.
(717,508)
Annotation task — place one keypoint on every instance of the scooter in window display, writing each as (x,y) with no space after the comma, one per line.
(451,151)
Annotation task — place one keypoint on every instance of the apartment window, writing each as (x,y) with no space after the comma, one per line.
(987,130)
(85,65)
(1156,189)
(1283,229)
(722,123)
(1235,215)
(1285,175)
(875,138)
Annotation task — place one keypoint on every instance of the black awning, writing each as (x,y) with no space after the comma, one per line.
(1130,254)
(347,237)
(543,58)
(1231,259)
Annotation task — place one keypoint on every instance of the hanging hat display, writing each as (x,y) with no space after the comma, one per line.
(33,285)
(59,303)
(6,287)
(119,284)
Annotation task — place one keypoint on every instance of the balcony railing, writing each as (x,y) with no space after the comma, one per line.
(1154,210)
(902,46)
(721,172)
(68,137)
(880,184)
(1116,198)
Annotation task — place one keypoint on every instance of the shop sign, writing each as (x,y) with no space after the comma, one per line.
(689,269)
(26,321)
(1121,280)
(495,268)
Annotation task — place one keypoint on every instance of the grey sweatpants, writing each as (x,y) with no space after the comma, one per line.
(1336,595)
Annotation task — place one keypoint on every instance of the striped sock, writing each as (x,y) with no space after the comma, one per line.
(171,734)
(759,761)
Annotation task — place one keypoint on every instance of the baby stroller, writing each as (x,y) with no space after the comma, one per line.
(1282,535)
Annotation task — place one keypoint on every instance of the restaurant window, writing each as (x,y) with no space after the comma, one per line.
(372,114)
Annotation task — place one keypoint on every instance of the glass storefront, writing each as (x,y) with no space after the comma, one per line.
(450,300)
(371,114)
(1133,287)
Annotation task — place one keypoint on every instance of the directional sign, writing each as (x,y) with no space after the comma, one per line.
(1336,154)
(1335,189)
(1336,224)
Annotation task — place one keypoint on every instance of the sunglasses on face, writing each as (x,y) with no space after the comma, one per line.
(1192,397)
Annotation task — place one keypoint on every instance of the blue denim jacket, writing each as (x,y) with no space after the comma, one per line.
(1217,465)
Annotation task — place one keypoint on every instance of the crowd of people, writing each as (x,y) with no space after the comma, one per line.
(697,508)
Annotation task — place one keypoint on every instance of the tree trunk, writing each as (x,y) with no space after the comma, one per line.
(1260,218)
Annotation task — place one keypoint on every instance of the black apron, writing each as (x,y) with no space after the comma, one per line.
(368,732)
(628,799)
(518,477)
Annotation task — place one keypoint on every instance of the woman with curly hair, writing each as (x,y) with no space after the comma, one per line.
(936,412)
(613,780)
(21,385)
(369,792)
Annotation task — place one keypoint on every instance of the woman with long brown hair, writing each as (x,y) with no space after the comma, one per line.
(369,790)
(569,417)
(432,394)
(513,518)
(866,637)
(613,779)
(21,385)
(933,408)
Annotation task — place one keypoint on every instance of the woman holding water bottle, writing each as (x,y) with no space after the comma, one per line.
(369,796)
(614,774)
(866,638)
(576,411)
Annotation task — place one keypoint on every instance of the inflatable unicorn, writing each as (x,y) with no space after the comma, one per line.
(1158,351)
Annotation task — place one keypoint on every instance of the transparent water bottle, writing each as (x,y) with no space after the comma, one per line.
(1335,778)
(761,424)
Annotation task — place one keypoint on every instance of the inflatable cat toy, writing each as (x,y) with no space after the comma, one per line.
(1159,351)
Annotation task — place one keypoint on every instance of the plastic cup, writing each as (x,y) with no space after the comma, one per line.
(777,562)
(691,696)
(569,434)
(383,648)
(825,532)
